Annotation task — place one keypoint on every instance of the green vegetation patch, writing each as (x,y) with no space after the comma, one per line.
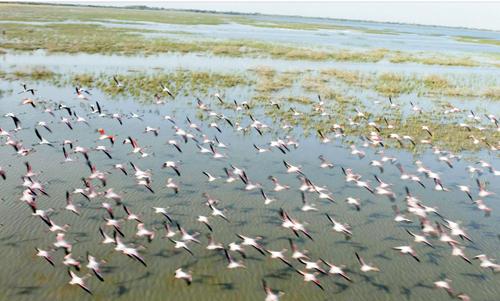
(24,12)
(476,40)
(391,84)
(35,74)
(435,59)
(306,25)
(146,86)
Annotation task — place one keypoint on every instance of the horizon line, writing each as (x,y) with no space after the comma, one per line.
(144,6)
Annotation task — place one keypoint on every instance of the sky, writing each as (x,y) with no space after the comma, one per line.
(484,15)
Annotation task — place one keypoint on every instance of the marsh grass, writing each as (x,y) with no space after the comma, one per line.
(307,26)
(435,82)
(40,12)
(39,73)
(391,84)
(439,85)
(85,80)
(145,86)
(285,51)
(304,100)
(395,84)
(273,82)
(26,12)
(353,78)
(386,84)
(435,59)
(319,86)
(93,38)
(69,38)
(339,106)
(476,40)
(447,133)
(297,89)
(372,55)
(492,92)
(268,82)
(313,84)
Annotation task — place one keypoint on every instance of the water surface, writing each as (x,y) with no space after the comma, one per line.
(25,277)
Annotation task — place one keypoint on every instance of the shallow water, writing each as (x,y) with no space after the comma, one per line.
(98,63)
(25,277)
